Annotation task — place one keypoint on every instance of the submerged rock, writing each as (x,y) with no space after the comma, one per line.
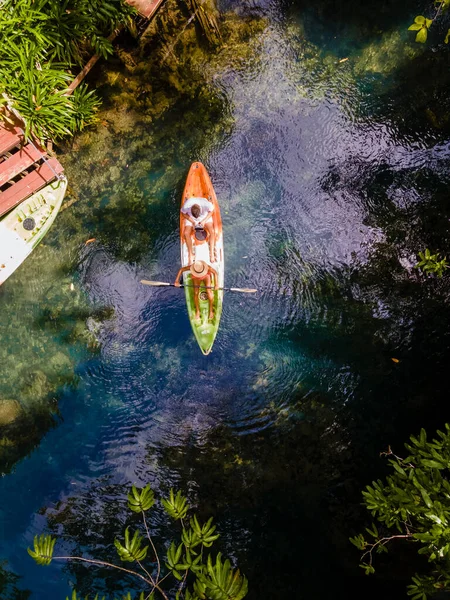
(10,412)
(36,387)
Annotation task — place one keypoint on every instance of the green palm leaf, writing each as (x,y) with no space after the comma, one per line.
(43,549)
(173,560)
(75,597)
(141,596)
(204,533)
(175,506)
(222,582)
(132,550)
(141,500)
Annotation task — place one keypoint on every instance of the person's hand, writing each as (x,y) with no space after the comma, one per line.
(177,284)
(216,287)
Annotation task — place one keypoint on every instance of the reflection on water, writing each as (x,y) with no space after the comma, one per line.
(326,197)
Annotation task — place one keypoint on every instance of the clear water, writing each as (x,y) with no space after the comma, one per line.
(331,176)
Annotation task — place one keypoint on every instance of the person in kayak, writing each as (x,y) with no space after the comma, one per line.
(197,212)
(201,273)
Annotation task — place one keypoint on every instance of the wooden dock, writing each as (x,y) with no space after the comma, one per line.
(146,8)
(25,168)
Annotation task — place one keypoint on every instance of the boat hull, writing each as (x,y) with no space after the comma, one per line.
(198,184)
(24,227)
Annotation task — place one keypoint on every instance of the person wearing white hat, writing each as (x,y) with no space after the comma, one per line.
(201,273)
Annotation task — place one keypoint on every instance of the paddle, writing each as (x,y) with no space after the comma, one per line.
(165,284)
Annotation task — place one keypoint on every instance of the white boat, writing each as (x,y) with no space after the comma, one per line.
(23,228)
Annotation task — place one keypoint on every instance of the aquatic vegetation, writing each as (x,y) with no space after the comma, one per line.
(385,55)
(432,263)
(189,561)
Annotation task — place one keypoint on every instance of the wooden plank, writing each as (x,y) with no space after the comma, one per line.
(18,162)
(9,138)
(88,66)
(82,74)
(146,8)
(32,182)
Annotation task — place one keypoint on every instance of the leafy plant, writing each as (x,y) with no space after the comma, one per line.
(97,597)
(41,42)
(176,506)
(132,550)
(85,107)
(413,505)
(139,501)
(43,549)
(432,263)
(422,24)
(187,559)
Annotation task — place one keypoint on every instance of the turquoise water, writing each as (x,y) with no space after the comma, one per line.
(331,177)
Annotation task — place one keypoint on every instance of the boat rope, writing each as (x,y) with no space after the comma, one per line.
(59,176)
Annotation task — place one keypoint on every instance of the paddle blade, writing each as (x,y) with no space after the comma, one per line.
(156,283)
(243,290)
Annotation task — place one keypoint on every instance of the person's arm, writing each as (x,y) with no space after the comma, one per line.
(216,277)
(188,217)
(208,214)
(177,280)
(210,207)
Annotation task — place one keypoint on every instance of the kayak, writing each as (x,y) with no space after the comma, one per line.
(198,185)
(23,228)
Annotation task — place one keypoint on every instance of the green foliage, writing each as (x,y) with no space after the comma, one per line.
(39,93)
(85,107)
(205,533)
(220,582)
(43,549)
(97,597)
(132,550)
(414,505)
(76,597)
(422,24)
(187,559)
(173,560)
(139,501)
(432,263)
(41,41)
(176,506)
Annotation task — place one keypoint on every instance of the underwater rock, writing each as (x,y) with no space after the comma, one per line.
(127,59)
(60,365)
(37,386)
(10,411)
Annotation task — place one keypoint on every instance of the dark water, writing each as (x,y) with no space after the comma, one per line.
(331,176)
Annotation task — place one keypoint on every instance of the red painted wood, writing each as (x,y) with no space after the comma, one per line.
(18,162)
(31,183)
(146,7)
(9,138)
